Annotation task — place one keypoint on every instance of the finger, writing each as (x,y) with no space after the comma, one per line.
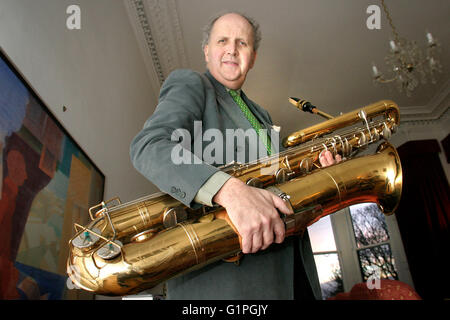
(246,244)
(256,243)
(279,231)
(268,236)
(333,160)
(323,159)
(281,205)
(329,157)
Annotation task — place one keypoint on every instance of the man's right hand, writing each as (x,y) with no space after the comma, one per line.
(254,214)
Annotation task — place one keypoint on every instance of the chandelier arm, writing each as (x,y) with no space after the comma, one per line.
(383,80)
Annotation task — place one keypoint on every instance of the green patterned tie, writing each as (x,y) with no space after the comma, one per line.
(252,119)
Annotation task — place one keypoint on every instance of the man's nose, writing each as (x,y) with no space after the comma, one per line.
(231,49)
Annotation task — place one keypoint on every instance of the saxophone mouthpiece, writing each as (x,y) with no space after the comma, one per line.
(306,106)
(302,104)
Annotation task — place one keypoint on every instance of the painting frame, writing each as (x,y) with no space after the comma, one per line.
(47,183)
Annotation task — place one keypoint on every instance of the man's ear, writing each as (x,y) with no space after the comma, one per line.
(252,63)
(205,51)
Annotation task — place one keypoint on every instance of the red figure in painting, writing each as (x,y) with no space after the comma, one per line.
(16,176)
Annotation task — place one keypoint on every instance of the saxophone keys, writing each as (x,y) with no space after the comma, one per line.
(333,143)
(325,148)
(344,146)
(282,175)
(110,250)
(255,182)
(235,258)
(394,127)
(347,146)
(305,165)
(86,239)
(362,115)
(207,218)
(172,216)
(386,132)
(375,135)
(105,205)
(144,235)
(362,141)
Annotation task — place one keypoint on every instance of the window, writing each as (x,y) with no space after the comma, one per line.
(372,242)
(326,257)
(354,244)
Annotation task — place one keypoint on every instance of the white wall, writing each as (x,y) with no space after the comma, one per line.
(97,72)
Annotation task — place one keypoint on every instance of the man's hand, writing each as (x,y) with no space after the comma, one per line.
(326,158)
(254,214)
(253,211)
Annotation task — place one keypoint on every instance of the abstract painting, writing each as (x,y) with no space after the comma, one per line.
(47,183)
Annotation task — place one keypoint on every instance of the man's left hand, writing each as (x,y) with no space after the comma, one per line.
(326,158)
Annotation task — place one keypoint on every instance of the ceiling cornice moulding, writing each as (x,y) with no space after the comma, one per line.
(157,29)
(436,109)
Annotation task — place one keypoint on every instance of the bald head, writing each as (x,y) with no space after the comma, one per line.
(253,24)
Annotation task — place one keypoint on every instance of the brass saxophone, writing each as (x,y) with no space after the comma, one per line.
(131,247)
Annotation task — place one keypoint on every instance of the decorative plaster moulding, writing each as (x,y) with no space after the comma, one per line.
(435,110)
(158,32)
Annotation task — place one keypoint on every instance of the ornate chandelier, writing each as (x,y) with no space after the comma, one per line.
(407,63)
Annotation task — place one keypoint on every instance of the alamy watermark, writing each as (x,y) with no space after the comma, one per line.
(73,21)
(74,273)
(374,281)
(374,20)
(222,149)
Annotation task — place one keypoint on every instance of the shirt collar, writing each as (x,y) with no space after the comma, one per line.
(220,87)
(238,90)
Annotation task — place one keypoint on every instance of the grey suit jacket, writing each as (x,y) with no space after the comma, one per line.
(185,97)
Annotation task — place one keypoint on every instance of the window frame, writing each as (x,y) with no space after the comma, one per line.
(347,250)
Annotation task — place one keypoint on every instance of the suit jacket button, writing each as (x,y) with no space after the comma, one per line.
(173,190)
(182,195)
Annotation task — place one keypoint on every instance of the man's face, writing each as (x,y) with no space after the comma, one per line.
(229,54)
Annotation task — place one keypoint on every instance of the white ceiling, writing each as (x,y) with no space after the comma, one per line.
(320,50)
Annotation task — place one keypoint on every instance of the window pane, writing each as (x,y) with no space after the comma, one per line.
(322,236)
(330,275)
(369,224)
(377,261)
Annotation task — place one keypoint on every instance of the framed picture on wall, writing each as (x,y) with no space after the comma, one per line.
(47,183)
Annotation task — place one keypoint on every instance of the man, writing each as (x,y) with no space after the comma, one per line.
(229,48)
